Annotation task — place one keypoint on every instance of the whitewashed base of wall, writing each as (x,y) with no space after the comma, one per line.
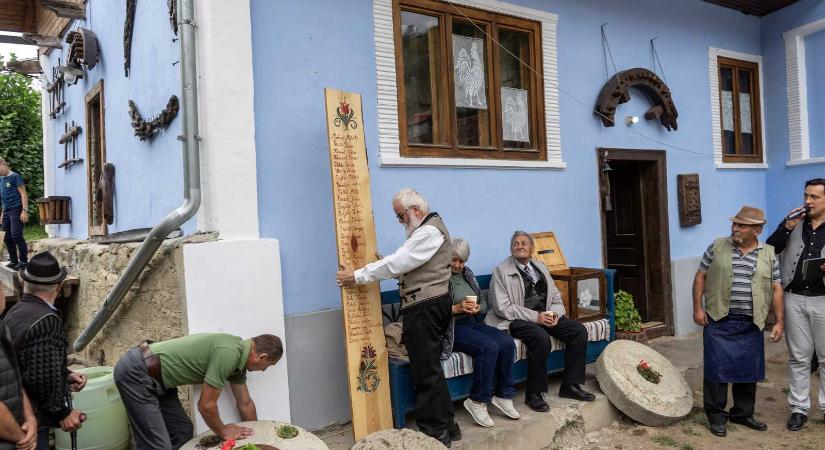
(234,286)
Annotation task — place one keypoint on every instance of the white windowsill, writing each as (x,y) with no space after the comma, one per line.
(806,161)
(742,166)
(467,163)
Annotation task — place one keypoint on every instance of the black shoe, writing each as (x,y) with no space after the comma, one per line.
(750,422)
(455,432)
(22,266)
(536,402)
(13,265)
(575,392)
(444,438)
(796,421)
(718,429)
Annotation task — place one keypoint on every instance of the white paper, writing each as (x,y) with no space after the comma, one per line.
(727,110)
(745,113)
(468,62)
(515,114)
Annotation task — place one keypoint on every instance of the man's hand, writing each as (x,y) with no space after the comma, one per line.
(24,217)
(72,422)
(547,319)
(776,332)
(822,267)
(466,307)
(77,381)
(790,224)
(29,441)
(345,276)
(700,317)
(233,431)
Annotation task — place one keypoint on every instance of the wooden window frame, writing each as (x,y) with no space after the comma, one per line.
(95,94)
(494,22)
(756,112)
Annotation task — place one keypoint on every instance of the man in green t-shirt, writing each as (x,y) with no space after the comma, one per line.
(148,376)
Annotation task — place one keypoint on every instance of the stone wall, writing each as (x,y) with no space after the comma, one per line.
(153,308)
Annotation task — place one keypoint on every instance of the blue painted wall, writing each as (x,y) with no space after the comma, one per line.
(148,175)
(299,48)
(815,60)
(785,183)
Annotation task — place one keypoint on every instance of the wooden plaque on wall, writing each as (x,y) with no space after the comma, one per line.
(690,202)
(367,363)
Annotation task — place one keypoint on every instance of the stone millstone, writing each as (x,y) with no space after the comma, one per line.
(266,434)
(650,404)
(402,439)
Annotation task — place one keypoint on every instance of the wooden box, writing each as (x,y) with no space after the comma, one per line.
(55,210)
(586,287)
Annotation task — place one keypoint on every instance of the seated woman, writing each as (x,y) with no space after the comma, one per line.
(492,350)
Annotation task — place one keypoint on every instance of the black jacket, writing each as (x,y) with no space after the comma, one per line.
(10,383)
(41,344)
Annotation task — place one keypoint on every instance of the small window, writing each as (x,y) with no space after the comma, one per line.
(739,106)
(95,157)
(461,94)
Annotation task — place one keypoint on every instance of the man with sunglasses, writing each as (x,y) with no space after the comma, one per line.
(422,266)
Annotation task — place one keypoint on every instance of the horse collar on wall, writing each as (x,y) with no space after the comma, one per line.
(617,91)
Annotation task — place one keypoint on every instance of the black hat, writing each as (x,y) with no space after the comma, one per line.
(43,268)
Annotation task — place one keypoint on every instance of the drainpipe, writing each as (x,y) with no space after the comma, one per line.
(191,179)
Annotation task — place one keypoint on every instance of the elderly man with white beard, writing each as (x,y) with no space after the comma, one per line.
(422,266)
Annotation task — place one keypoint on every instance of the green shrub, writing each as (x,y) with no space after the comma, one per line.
(627,317)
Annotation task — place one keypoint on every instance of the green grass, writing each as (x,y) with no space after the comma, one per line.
(665,441)
(686,447)
(786,391)
(33,232)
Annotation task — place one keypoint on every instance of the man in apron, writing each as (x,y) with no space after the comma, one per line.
(739,279)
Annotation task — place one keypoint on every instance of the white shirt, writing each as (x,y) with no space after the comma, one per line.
(529,269)
(417,249)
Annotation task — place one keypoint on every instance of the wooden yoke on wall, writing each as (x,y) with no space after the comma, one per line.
(367,363)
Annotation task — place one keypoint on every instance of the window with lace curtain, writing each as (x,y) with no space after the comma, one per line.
(469,83)
(740,111)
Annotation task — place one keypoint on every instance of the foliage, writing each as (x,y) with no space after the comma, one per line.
(21,135)
(627,317)
(287,432)
(665,441)
(648,373)
(33,232)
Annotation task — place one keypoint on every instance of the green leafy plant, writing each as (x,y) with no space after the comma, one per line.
(21,132)
(627,317)
(287,432)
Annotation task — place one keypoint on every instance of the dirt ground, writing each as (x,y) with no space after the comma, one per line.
(692,432)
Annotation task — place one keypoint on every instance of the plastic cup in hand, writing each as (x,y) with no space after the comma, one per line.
(473,298)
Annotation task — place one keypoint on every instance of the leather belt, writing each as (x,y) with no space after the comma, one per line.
(805,292)
(151,360)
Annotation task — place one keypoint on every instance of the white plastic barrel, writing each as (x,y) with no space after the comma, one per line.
(106,426)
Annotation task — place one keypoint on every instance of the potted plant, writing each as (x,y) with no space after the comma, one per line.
(628,321)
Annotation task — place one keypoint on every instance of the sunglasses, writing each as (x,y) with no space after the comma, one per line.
(400,215)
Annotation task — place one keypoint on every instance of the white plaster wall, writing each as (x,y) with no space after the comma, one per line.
(235,287)
(227,119)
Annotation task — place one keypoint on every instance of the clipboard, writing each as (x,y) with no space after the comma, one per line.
(811,270)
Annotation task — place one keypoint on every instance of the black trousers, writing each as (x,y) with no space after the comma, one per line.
(424,325)
(537,339)
(15,242)
(716,398)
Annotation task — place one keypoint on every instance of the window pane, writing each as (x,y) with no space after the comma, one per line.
(422,80)
(726,94)
(745,108)
(470,76)
(515,89)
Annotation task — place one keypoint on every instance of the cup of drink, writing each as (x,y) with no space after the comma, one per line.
(473,298)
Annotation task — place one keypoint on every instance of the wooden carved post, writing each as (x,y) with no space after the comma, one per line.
(367,364)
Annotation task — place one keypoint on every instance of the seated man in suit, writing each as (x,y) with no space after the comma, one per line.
(525,301)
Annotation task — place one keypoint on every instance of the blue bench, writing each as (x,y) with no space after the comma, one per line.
(401,385)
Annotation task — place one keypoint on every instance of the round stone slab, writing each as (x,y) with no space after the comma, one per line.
(650,404)
(402,439)
(266,435)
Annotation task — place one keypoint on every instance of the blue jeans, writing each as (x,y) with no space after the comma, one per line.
(493,352)
(14,235)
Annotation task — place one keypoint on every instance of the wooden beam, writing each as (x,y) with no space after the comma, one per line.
(65,9)
(42,41)
(29,66)
(11,39)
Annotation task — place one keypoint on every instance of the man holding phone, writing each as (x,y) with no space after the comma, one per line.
(798,238)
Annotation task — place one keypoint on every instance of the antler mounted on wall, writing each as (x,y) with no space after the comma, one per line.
(617,91)
(145,129)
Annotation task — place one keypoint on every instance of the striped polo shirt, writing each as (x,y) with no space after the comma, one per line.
(741,298)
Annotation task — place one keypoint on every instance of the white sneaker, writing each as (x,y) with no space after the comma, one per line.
(479,413)
(505,405)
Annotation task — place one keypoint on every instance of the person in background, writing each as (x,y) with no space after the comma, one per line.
(493,350)
(15,206)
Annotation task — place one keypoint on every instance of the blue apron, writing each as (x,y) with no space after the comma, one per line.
(734,350)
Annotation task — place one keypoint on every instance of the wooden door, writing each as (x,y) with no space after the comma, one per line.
(624,233)
(95,157)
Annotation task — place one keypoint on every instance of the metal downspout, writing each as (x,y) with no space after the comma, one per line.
(191,177)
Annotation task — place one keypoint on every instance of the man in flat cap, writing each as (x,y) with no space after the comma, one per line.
(40,343)
(739,280)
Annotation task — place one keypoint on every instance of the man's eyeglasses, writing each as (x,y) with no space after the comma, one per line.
(400,215)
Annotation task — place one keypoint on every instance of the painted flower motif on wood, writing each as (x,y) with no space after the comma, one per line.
(345,116)
(368,379)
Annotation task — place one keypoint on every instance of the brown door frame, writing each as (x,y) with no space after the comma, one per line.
(655,215)
(95,94)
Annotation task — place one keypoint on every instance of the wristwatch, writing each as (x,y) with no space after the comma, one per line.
(25,210)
